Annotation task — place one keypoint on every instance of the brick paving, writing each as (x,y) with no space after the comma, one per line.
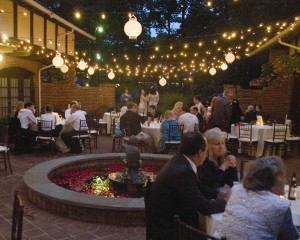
(41,225)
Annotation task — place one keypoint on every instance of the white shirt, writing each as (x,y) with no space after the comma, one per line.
(48,117)
(200,107)
(67,113)
(192,164)
(189,121)
(75,118)
(26,117)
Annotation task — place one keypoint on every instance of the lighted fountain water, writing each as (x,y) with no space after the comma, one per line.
(74,204)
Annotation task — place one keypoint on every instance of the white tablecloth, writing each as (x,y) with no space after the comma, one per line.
(154,131)
(212,220)
(106,118)
(261,133)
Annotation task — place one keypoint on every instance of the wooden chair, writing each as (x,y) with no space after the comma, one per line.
(277,144)
(45,135)
(147,191)
(113,116)
(174,130)
(291,143)
(4,149)
(247,142)
(184,231)
(93,131)
(117,141)
(83,135)
(17,218)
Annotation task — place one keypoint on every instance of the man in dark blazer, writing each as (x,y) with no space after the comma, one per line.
(176,190)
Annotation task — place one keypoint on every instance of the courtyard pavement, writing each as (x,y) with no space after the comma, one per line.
(39,224)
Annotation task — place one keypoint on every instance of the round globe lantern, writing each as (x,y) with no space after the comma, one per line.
(91,71)
(162,82)
(212,71)
(133,28)
(111,75)
(224,66)
(82,65)
(229,57)
(57,61)
(64,68)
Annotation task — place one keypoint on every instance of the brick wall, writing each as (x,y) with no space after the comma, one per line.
(275,99)
(61,92)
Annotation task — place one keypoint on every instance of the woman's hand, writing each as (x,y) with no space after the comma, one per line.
(230,161)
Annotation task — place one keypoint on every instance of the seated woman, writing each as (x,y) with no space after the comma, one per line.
(177,110)
(217,169)
(164,129)
(256,211)
(250,114)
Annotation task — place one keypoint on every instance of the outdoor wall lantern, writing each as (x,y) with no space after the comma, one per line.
(162,82)
(111,75)
(82,65)
(133,28)
(64,68)
(224,66)
(229,57)
(57,61)
(91,71)
(212,71)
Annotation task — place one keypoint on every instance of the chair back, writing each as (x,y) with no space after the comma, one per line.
(83,126)
(175,131)
(147,191)
(4,135)
(17,218)
(184,231)
(126,131)
(45,125)
(279,132)
(245,131)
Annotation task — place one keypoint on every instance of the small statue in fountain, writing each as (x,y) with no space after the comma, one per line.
(132,161)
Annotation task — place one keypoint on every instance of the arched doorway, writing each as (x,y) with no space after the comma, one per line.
(16,84)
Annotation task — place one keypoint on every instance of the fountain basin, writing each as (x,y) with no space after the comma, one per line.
(55,199)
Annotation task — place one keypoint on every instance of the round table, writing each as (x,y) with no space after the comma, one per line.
(154,131)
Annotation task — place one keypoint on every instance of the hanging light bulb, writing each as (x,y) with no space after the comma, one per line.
(91,71)
(64,68)
(224,66)
(133,28)
(229,57)
(212,71)
(82,65)
(57,61)
(111,75)
(162,82)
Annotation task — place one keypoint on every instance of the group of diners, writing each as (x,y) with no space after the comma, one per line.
(31,127)
(193,182)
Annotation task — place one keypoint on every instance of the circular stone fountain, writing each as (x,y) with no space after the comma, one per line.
(55,199)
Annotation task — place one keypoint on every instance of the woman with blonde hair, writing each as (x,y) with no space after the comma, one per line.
(164,129)
(177,110)
(218,169)
(19,106)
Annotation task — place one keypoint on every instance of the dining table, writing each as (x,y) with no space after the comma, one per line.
(107,117)
(259,132)
(211,221)
(153,129)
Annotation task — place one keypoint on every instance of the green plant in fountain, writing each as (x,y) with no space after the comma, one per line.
(284,67)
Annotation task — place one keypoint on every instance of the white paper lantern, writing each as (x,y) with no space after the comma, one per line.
(64,68)
(91,71)
(229,57)
(162,82)
(212,71)
(133,28)
(57,61)
(82,65)
(224,66)
(111,75)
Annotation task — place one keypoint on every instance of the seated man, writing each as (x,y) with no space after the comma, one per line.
(68,111)
(72,124)
(176,190)
(28,125)
(153,113)
(188,120)
(132,120)
(48,116)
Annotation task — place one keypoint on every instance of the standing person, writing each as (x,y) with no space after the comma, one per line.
(197,101)
(194,111)
(188,120)
(221,111)
(237,114)
(125,98)
(153,97)
(143,102)
(256,209)
(176,190)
